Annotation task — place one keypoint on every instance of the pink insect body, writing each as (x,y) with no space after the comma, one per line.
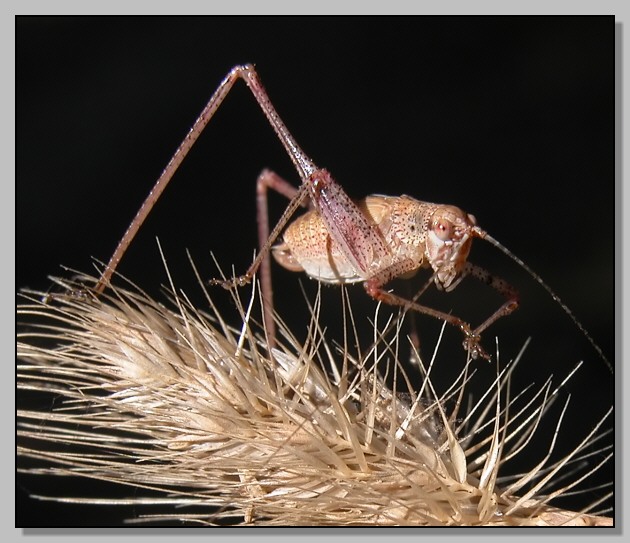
(340,241)
(414,235)
(381,238)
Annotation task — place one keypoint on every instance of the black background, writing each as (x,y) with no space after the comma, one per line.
(511,119)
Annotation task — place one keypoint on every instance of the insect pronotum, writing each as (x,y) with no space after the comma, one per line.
(342,241)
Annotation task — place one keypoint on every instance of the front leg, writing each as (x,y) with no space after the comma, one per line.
(471,338)
(374,288)
(505,289)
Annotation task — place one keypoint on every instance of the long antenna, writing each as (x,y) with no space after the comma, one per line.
(484,235)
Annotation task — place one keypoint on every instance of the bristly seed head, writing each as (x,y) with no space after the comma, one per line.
(178,401)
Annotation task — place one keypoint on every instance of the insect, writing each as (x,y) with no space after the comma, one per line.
(341,241)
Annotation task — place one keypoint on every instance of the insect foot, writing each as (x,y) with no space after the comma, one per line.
(231,283)
(471,343)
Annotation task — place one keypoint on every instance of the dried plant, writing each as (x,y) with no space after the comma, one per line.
(170,399)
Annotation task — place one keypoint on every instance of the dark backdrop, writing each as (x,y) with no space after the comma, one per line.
(511,119)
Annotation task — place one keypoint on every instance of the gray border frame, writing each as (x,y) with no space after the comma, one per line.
(618,8)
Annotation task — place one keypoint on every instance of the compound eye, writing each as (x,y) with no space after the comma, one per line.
(443,229)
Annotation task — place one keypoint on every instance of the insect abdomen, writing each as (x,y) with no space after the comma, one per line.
(307,246)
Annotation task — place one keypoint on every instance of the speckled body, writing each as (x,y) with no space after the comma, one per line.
(403,224)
